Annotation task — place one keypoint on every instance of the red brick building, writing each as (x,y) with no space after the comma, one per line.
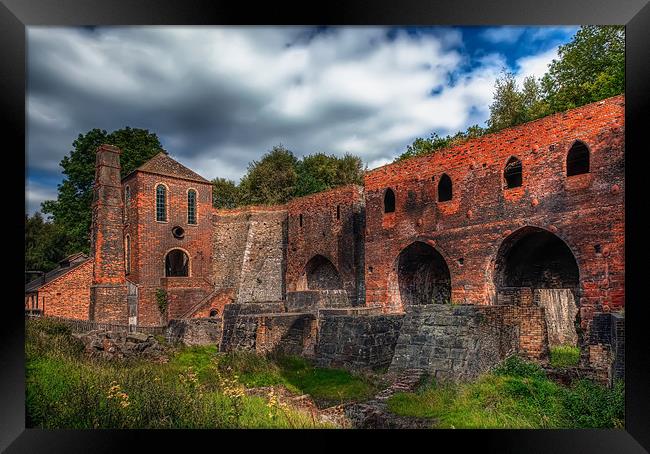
(531,215)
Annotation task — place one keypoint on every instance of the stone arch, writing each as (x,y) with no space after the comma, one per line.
(177,263)
(420,275)
(535,266)
(320,274)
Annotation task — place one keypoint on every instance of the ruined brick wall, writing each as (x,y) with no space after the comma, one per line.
(249,250)
(332,227)
(585,211)
(69,295)
(151,240)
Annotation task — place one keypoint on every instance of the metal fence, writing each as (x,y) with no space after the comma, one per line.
(84,326)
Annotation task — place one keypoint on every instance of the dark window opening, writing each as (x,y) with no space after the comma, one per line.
(161,203)
(338,212)
(301,220)
(577,161)
(177,264)
(444,188)
(423,276)
(512,173)
(213,312)
(321,274)
(178,232)
(389,201)
(127,202)
(598,248)
(191,206)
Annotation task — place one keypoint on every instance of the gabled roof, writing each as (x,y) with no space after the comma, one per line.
(162,164)
(68,264)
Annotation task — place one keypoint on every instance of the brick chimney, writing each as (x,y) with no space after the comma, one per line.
(108,291)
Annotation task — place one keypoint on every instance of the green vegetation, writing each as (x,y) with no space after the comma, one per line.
(564,355)
(279,177)
(517,394)
(197,388)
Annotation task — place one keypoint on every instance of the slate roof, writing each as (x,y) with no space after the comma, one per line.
(67,264)
(162,164)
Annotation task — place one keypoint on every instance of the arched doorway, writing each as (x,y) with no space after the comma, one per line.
(321,274)
(422,276)
(535,263)
(177,263)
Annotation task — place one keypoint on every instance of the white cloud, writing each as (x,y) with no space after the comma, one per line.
(507,34)
(535,65)
(36,193)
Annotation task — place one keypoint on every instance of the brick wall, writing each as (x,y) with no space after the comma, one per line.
(585,211)
(69,295)
(151,240)
(332,227)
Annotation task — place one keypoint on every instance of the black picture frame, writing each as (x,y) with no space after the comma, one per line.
(15,15)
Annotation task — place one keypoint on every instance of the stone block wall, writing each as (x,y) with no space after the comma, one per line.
(357,341)
(195,331)
(312,300)
(458,342)
(249,249)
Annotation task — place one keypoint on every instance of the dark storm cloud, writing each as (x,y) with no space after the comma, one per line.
(219,98)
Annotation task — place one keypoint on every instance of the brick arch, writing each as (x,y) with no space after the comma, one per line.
(535,266)
(320,273)
(571,149)
(419,275)
(189,261)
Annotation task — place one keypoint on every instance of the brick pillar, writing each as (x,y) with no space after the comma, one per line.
(108,292)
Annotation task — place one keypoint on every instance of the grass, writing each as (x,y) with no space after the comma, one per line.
(515,395)
(197,388)
(564,356)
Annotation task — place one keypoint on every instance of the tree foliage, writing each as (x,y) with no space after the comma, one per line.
(45,244)
(589,68)
(279,176)
(71,211)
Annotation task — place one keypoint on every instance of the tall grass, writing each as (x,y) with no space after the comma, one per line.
(564,355)
(197,388)
(516,394)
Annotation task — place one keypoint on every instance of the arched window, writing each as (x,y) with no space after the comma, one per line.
(127,202)
(177,264)
(300,220)
(191,206)
(338,212)
(161,203)
(127,254)
(512,173)
(444,188)
(577,161)
(389,201)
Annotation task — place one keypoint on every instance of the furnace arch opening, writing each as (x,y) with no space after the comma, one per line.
(321,274)
(535,266)
(422,276)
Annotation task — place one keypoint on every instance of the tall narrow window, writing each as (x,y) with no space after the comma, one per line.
(301,220)
(191,206)
(127,202)
(389,201)
(512,173)
(577,161)
(161,203)
(127,254)
(444,188)
(338,212)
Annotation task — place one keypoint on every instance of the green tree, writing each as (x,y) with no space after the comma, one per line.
(271,180)
(320,172)
(422,147)
(225,193)
(589,68)
(44,244)
(71,211)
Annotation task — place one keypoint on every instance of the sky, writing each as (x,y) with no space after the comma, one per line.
(220,97)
